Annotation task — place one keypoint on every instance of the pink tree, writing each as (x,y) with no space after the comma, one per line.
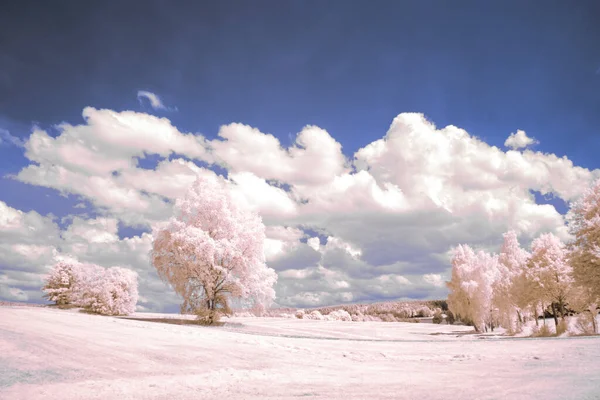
(510,289)
(471,287)
(550,273)
(212,250)
(112,291)
(584,224)
(61,283)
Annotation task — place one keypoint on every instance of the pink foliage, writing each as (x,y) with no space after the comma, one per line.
(339,315)
(584,216)
(212,247)
(584,224)
(550,269)
(509,298)
(316,315)
(471,285)
(112,291)
(512,256)
(61,282)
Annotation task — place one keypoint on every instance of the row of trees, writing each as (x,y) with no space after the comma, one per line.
(507,289)
(337,315)
(106,291)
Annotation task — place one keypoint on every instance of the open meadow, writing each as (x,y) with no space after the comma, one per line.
(64,354)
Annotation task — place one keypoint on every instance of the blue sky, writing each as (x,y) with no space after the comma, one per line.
(489,68)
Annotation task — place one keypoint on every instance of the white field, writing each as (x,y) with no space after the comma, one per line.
(54,354)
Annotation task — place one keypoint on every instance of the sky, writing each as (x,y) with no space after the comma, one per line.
(371,137)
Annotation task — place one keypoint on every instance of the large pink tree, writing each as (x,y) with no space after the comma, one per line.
(584,224)
(550,273)
(212,250)
(511,289)
(471,287)
(584,252)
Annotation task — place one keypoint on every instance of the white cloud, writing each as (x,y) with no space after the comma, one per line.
(314,243)
(18,227)
(27,243)
(7,139)
(389,214)
(154,100)
(12,293)
(315,158)
(281,242)
(98,160)
(434,279)
(337,243)
(519,140)
(270,201)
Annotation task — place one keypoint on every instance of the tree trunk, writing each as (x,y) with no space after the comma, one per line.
(594,320)
(554,315)
(544,314)
(210,305)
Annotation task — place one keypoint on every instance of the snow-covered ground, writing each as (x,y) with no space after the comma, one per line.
(58,354)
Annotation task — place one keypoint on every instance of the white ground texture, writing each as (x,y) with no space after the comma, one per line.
(57,354)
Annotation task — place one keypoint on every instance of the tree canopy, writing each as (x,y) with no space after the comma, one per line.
(213,250)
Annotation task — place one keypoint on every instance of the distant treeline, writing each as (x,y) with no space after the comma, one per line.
(390,311)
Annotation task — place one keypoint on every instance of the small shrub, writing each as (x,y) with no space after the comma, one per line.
(424,312)
(584,325)
(112,291)
(300,314)
(204,316)
(259,310)
(315,315)
(561,328)
(387,317)
(339,315)
(542,331)
(437,317)
(449,318)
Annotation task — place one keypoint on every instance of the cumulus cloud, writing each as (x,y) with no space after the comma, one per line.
(374,225)
(154,100)
(315,157)
(434,279)
(314,243)
(99,161)
(27,243)
(519,140)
